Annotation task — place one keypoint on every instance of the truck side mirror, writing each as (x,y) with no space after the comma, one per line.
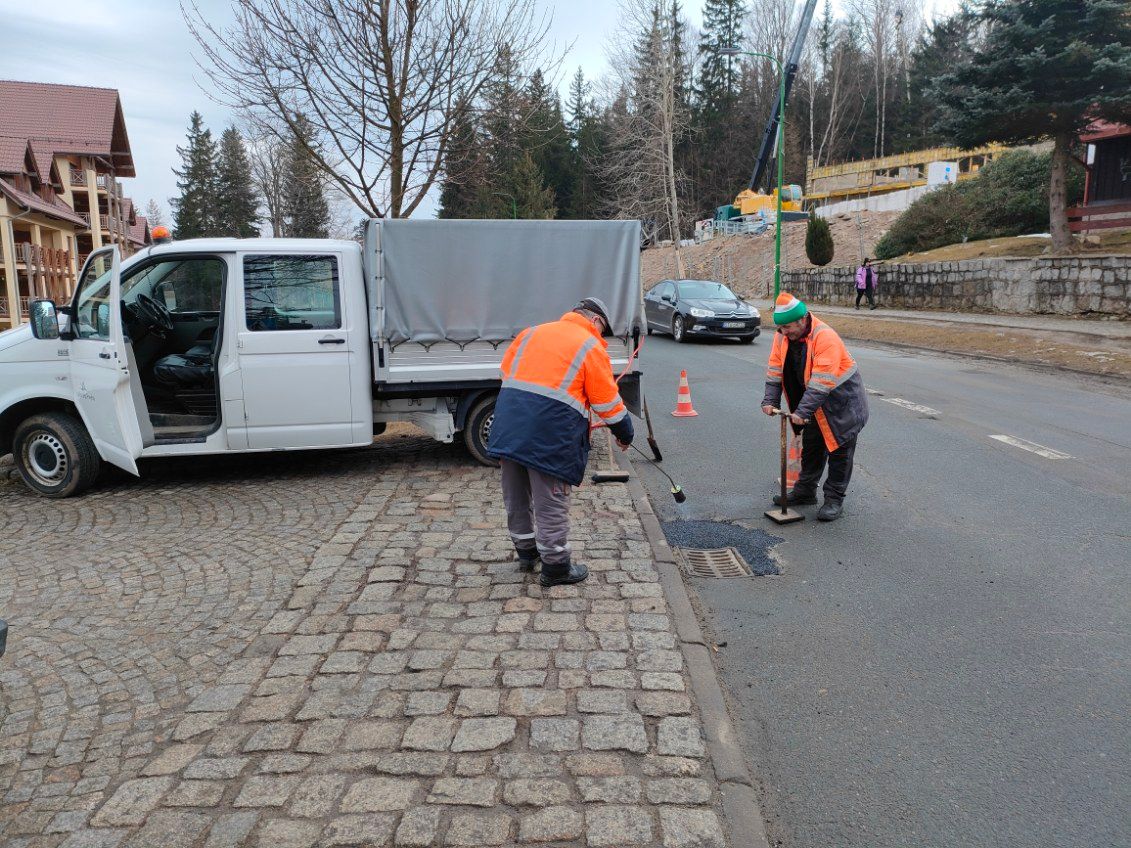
(44,319)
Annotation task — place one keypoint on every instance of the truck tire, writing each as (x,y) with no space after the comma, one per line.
(477,430)
(55,455)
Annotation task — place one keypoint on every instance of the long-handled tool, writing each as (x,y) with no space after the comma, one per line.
(785,515)
(677,490)
(651,435)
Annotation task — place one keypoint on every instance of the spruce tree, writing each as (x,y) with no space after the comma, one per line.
(532,198)
(464,186)
(306,212)
(548,142)
(194,210)
(236,201)
(725,154)
(1044,68)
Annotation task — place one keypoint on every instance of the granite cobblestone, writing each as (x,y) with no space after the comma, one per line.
(337,649)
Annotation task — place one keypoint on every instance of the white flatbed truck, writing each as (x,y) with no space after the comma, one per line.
(212,346)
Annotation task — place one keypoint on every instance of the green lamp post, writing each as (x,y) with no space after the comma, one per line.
(734,51)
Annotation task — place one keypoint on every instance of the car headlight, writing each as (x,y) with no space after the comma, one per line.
(702,313)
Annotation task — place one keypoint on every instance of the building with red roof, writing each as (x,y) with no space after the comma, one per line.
(62,150)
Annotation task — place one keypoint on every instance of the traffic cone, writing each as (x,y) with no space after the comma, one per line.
(683,408)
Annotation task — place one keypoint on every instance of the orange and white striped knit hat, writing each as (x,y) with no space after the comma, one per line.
(788,309)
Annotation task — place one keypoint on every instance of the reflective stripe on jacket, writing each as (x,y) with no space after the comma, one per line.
(834,391)
(553,375)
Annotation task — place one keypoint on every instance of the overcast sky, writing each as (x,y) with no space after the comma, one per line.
(143,49)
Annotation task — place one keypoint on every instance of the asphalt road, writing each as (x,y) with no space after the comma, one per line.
(950,663)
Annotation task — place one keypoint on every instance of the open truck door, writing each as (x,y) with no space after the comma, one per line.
(100,362)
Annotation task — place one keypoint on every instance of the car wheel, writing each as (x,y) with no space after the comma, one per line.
(679,332)
(477,430)
(55,455)
(747,339)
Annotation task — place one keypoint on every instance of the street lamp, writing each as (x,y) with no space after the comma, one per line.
(514,206)
(734,51)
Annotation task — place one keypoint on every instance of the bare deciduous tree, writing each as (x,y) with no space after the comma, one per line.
(268,157)
(647,121)
(377,80)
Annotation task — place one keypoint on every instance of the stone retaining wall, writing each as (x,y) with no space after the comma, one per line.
(1058,285)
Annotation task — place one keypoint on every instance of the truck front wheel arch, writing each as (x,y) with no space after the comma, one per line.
(55,455)
(477,429)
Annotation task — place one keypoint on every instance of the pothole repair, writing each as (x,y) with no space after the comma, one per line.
(753,546)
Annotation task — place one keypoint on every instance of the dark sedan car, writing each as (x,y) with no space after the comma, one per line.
(687,308)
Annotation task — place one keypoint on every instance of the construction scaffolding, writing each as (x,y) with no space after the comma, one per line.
(870,177)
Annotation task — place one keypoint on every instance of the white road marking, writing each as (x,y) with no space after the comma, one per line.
(1032,447)
(876,392)
(914,407)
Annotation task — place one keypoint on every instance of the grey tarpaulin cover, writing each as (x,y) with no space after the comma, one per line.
(463,280)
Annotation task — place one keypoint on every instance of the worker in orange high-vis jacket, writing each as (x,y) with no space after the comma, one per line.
(553,376)
(811,366)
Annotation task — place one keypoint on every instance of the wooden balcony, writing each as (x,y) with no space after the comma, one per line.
(48,271)
(78,180)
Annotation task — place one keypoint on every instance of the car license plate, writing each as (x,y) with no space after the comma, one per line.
(733,325)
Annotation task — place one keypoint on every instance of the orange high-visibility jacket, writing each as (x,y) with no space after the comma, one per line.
(553,375)
(834,391)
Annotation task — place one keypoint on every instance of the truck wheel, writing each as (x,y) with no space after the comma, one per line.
(477,430)
(55,455)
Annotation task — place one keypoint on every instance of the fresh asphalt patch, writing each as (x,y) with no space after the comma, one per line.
(754,545)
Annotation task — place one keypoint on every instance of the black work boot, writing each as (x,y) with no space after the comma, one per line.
(563,574)
(527,560)
(798,497)
(830,510)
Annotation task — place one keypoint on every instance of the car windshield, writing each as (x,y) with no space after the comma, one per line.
(705,290)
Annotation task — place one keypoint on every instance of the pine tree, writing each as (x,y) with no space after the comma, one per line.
(1046,67)
(306,212)
(236,202)
(532,198)
(548,142)
(724,154)
(464,186)
(194,210)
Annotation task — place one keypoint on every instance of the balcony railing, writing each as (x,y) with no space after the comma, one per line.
(48,270)
(78,179)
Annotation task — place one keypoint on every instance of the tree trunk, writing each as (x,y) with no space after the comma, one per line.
(1062,241)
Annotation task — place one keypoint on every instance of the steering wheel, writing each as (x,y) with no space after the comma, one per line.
(156,314)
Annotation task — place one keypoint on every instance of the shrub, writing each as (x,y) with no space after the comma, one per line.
(818,241)
(1009,197)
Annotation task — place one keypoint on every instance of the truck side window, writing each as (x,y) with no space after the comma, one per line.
(92,317)
(291,293)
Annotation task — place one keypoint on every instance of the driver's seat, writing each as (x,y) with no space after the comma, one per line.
(192,369)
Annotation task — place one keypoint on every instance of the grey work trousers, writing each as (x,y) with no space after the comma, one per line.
(537,512)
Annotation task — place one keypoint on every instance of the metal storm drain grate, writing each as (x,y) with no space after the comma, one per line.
(714,562)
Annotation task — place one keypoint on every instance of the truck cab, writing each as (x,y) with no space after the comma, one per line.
(194,347)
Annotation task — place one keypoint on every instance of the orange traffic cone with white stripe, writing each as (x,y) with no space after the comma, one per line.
(683,407)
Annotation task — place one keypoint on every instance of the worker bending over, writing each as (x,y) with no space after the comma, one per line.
(809,362)
(553,375)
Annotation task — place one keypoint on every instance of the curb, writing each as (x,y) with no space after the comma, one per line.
(741,811)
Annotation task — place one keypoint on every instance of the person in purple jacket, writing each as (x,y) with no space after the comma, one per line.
(866,284)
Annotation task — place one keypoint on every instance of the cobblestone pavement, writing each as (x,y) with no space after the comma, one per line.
(336,649)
